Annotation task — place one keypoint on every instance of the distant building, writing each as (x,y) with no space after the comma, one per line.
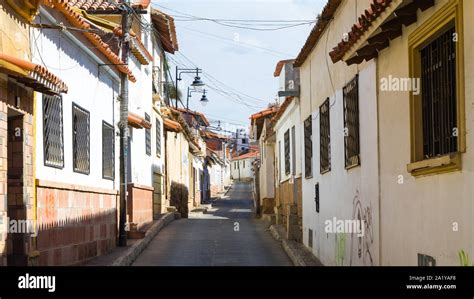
(241,141)
(241,167)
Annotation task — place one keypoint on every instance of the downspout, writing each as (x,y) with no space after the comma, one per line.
(35,252)
(378,158)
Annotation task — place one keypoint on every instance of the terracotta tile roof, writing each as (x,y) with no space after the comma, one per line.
(106,5)
(405,15)
(210,134)
(136,46)
(249,155)
(165,26)
(195,113)
(323,20)
(67,8)
(280,66)
(263,113)
(377,7)
(38,77)
(138,122)
(283,108)
(172,125)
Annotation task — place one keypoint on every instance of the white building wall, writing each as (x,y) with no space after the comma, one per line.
(90,87)
(267,170)
(344,194)
(140,102)
(421,214)
(290,118)
(242,169)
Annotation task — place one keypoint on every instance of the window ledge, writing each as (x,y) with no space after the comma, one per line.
(438,165)
(325,171)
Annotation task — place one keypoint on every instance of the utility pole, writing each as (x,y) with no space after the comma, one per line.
(123,125)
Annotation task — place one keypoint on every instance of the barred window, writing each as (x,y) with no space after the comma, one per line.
(148,137)
(53,136)
(324,137)
(108,151)
(80,139)
(158,137)
(438,79)
(351,123)
(287,152)
(308,147)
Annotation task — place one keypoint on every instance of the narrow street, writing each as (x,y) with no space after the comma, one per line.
(228,235)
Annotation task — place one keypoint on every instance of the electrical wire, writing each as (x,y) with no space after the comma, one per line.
(235,96)
(263,25)
(238,43)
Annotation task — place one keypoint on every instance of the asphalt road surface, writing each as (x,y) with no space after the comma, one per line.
(228,235)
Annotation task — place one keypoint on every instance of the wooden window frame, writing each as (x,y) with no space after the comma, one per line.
(441,20)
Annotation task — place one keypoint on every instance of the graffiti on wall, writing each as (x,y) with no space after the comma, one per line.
(340,249)
(362,244)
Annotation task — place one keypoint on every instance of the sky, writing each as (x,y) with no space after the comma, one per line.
(238,62)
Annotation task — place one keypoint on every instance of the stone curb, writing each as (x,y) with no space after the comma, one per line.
(131,254)
(292,249)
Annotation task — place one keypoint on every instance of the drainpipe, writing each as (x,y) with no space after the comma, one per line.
(379,182)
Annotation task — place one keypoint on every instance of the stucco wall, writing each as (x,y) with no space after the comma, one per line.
(140,102)
(177,148)
(243,170)
(14,36)
(344,194)
(267,169)
(418,215)
(290,118)
(89,87)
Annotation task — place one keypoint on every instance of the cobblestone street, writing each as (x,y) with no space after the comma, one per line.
(228,235)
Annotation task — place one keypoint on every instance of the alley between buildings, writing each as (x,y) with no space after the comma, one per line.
(228,235)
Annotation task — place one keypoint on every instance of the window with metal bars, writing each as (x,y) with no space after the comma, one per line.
(158,137)
(148,137)
(287,152)
(308,147)
(53,136)
(324,137)
(351,123)
(438,96)
(108,154)
(80,139)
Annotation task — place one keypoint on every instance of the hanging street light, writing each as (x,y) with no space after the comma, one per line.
(197,83)
(204,99)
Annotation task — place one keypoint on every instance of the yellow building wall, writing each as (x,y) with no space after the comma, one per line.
(421,214)
(14,33)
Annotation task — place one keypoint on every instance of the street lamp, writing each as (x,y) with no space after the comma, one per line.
(197,83)
(204,99)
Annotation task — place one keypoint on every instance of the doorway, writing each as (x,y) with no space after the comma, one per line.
(17,225)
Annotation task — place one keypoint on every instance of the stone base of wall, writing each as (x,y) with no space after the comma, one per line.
(268,205)
(140,205)
(214,190)
(288,209)
(75,223)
